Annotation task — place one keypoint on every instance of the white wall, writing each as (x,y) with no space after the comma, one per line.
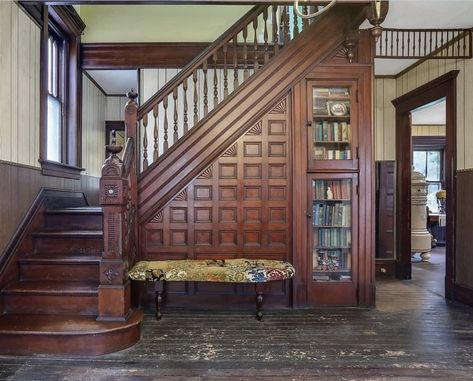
(94,110)
(19,89)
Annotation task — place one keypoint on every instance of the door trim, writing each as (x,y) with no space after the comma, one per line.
(444,86)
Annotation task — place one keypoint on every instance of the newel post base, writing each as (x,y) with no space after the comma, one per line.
(114,302)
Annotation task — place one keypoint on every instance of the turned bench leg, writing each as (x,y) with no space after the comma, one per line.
(159,291)
(259,300)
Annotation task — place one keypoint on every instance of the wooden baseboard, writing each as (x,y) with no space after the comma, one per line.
(385,267)
(463,294)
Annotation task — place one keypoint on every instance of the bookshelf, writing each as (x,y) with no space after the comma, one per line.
(331,230)
(331,125)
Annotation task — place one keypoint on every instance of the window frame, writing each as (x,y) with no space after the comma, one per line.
(65,26)
(432,143)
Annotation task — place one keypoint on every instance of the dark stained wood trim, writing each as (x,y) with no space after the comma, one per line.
(444,86)
(394,76)
(52,168)
(94,82)
(429,142)
(139,55)
(181,2)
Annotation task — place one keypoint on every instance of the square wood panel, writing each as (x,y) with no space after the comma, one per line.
(277,238)
(178,237)
(277,215)
(276,149)
(252,193)
(154,237)
(227,238)
(252,215)
(227,215)
(202,192)
(252,149)
(252,171)
(277,171)
(203,214)
(252,238)
(178,215)
(227,171)
(276,127)
(276,193)
(227,193)
(203,237)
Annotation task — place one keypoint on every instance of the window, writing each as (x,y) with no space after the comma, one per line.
(55,123)
(60,90)
(430,164)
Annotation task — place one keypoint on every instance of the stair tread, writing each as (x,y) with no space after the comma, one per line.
(49,324)
(69,233)
(51,287)
(78,210)
(60,258)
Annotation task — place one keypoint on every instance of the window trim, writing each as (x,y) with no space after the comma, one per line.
(66,25)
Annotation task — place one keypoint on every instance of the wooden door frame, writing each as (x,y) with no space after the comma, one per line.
(442,87)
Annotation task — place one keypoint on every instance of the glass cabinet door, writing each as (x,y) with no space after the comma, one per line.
(332,126)
(332,229)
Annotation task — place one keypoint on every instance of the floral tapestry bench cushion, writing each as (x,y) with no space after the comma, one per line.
(256,271)
(225,270)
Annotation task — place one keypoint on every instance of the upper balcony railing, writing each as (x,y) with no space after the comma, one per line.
(424,43)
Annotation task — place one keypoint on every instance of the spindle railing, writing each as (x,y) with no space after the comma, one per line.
(423,43)
(213,76)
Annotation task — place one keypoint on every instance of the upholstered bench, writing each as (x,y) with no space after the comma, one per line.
(226,270)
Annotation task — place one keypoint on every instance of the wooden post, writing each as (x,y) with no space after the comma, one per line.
(118,197)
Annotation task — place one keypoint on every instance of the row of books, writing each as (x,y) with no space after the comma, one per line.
(332,238)
(327,92)
(324,153)
(332,132)
(332,214)
(331,276)
(332,189)
(331,260)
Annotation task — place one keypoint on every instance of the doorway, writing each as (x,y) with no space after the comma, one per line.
(428,212)
(443,87)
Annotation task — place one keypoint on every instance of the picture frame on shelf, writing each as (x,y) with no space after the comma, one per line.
(338,108)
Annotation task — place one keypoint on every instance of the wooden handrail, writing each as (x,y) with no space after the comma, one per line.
(128,156)
(199,60)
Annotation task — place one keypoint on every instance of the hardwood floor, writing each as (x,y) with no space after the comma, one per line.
(412,334)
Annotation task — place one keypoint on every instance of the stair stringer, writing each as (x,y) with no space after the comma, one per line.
(224,125)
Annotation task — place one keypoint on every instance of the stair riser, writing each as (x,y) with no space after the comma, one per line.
(60,272)
(69,245)
(51,304)
(73,222)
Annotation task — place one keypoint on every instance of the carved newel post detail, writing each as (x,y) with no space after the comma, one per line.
(421,240)
(118,196)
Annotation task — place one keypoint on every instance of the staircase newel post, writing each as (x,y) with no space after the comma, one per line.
(114,290)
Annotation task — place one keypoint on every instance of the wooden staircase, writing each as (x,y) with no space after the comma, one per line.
(52,306)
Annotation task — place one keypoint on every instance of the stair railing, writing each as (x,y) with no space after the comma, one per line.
(213,76)
(118,198)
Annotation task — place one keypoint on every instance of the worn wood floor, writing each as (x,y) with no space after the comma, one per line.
(412,334)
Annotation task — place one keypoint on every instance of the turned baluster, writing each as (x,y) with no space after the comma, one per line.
(235,62)
(305,22)
(165,105)
(419,43)
(225,72)
(255,45)
(206,89)
(155,133)
(214,57)
(145,142)
(265,35)
(186,125)
(295,32)
(174,97)
(246,74)
(196,98)
(285,15)
(274,20)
